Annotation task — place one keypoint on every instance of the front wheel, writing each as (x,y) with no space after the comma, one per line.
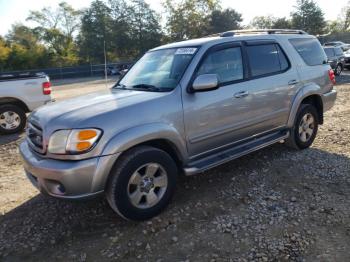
(303,134)
(142,183)
(12,119)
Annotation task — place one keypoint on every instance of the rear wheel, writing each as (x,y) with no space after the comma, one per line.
(142,183)
(305,127)
(12,119)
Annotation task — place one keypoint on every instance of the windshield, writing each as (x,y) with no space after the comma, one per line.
(159,70)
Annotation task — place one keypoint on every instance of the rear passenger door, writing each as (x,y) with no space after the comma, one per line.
(272,84)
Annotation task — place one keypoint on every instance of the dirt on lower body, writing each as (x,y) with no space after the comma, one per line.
(276,204)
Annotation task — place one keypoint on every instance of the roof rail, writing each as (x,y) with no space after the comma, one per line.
(260,31)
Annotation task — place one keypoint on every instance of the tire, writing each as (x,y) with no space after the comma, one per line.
(303,134)
(125,184)
(12,119)
(338,70)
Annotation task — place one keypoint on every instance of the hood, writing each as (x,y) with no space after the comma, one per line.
(70,113)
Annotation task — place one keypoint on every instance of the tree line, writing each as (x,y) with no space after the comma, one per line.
(63,36)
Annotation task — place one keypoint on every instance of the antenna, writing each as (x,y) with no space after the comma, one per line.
(104,51)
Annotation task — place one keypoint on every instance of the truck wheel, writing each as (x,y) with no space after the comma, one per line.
(303,134)
(12,119)
(141,183)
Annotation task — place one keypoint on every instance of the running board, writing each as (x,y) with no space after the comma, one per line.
(237,151)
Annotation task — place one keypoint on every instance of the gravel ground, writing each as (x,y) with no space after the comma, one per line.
(273,205)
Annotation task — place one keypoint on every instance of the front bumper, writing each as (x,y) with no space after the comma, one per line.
(67,179)
(328,100)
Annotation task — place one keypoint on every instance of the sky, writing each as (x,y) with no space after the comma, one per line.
(12,11)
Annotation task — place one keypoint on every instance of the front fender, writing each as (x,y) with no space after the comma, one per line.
(307,90)
(144,133)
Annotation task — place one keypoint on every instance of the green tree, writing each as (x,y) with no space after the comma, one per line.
(263,22)
(4,53)
(56,27)
(26,50)
(334,27)
(23,35)
(121,46)
(127,28)
(309,17)
(346,25)
(146,30)
(343,22)
(224,20)
(282,23)
(188,18)
(96,24)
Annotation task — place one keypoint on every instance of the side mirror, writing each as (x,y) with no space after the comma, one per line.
(205,82)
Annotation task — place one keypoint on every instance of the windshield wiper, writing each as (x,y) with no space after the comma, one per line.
(143,87)
(146,87)
(119,86)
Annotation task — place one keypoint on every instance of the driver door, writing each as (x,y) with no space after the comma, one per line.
(210,116)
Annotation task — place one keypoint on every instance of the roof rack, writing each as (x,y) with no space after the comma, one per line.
(260,31)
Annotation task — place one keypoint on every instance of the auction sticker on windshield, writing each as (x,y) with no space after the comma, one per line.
(186,51)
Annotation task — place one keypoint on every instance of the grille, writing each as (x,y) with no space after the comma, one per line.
(35,137)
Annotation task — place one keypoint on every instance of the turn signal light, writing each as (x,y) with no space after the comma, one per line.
(82,146)
(87,134)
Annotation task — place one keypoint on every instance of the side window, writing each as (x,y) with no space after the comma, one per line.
(226,63)
(329,52)
(338,51)
(283,59)
(310,50)
(266,59)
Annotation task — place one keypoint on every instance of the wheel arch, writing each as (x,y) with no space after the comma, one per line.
(14,101)
(310,94)
(316,101)
(160,136)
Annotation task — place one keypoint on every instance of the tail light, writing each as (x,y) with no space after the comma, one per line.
(331,76)
(47,88)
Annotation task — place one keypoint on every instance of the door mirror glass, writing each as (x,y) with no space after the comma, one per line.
(205,82)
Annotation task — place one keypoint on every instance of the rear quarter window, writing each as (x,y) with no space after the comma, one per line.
(310,50)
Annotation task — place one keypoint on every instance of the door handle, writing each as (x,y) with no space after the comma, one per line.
(292,82)
(241,94)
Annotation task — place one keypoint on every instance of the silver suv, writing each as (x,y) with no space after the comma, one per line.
(181,109)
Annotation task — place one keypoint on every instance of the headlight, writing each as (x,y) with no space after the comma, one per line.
(76,141)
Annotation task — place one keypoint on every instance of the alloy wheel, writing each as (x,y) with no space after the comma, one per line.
(147,185)
(306,127)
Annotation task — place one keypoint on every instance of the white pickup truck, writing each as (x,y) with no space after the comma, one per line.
(20,94)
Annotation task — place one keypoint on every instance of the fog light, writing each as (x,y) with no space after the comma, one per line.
(55,187)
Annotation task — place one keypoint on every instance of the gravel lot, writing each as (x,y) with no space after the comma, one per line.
(273,205)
